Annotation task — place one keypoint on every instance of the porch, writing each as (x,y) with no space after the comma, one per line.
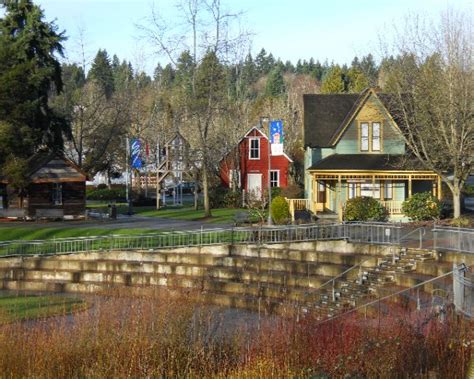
(329,191)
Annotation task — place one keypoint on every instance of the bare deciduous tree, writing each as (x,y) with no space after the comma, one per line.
(432,87)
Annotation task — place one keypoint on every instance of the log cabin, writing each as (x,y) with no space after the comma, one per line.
(56,190)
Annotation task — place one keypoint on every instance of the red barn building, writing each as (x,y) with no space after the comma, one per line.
(246,166)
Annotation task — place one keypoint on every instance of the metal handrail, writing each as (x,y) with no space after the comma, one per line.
(422,232)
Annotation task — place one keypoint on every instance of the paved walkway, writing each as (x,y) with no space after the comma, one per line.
(123,222)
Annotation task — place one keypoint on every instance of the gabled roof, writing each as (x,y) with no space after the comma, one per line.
(327,116)
(47,166)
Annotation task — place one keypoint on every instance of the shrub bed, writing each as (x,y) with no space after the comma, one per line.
(364,209)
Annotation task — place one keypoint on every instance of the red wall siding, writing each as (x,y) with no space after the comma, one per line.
(249,166)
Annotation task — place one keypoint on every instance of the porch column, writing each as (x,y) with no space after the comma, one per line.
(339,198)
(440,193)
(373,186)
(409,186)
(382,190)
(315,195)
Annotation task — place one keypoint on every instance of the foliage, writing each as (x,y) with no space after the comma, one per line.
(461,222)
(29,70)
(364,209)
(293,191)
(468,190)
(196,341)
(105,194)
(232,199)
(333,82)
(280,210)
(16,172)
(101,72)
(422,206)
(431,86)
(275,85)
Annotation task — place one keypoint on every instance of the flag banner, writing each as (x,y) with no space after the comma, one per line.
(135,153)
(276,137)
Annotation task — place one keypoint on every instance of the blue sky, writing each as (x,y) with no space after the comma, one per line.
(335,30)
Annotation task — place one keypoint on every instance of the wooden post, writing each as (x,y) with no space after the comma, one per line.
(409,186)
(339,197)
(373,186)
(440,183)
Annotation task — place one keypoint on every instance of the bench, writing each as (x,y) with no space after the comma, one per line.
(242,218)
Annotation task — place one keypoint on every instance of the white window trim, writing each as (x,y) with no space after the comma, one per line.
(232,172)
(58,190)
(379,136)
(250,148)
(278,178)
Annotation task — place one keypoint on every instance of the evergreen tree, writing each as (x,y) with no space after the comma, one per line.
(275,83)
(101,72)
(369,68)
(356,80)
(29,70)
(122,74)
(333,82)
(262,62)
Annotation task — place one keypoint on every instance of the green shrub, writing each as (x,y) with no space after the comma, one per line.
(460,222)
(232,199)
(364,209)
(422,206)
(217,195)
(102,186)
(280,210)
(106,194)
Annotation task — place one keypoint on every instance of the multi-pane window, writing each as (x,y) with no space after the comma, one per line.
(364,136)
(274,178)
(370,136)
(369,189)
(352,188)
(254,152)
(234,179)
(376,136)
(388,190)
(57,193)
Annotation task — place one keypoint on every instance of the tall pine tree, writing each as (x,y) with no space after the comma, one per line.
(101,72)
(29,70)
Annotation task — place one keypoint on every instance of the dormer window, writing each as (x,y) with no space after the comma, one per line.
(254,151)
(364,136)
(376,136)
(370,136)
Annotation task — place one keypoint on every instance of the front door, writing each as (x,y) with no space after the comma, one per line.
(254,185)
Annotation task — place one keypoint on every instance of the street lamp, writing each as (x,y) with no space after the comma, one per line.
(266,119)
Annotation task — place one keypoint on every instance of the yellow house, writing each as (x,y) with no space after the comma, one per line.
(354,147)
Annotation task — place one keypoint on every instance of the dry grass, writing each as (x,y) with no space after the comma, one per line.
(162,335)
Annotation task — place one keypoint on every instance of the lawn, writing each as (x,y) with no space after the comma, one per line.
(186,212)
(26,307)
(42,233)
(219,215)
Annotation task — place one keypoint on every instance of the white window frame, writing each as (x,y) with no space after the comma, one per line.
(232,174)
(375,137)
(388,190)
(369,189)
(57,194)
(351,190)
(364,138)
(254,148)
(277,181)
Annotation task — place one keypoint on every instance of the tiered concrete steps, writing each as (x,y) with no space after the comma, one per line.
(246,276)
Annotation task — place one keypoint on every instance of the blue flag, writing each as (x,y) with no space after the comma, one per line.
(135,153)
(276,132)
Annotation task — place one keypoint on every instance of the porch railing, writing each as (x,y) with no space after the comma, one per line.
(297,205)
(393,206)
